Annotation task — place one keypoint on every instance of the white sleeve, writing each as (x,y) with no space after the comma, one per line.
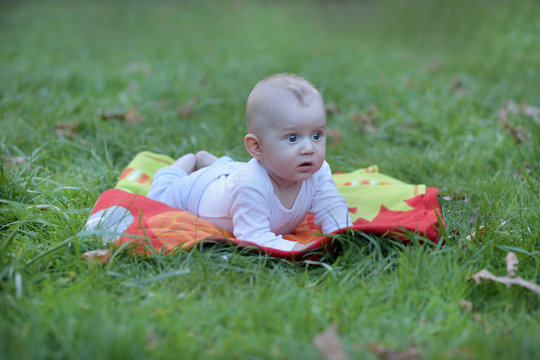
(329,207)
(165,186)
(250,214)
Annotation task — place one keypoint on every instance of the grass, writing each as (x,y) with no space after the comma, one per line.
(437,75)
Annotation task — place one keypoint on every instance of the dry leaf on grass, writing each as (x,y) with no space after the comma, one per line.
(463,198)
(332,108)
(118,114)
(511,267)
(433,66)
(503,224)
(412,353)
(519,172)
(408,82)
(151,339)
(131,116)
(366,122)
(335,136)
(329,344)
(186,110)
(533,112)
(477,235)
(101,256)
(44,207)
(14,160)
(508,281)
(510,108)
(466,305)
(458,86)
(511,263)
(518,133)
(67,130)
(137,67)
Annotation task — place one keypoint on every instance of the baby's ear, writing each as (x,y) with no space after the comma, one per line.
(253,146)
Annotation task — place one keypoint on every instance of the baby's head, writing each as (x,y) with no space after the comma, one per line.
(266,98)
(286,123)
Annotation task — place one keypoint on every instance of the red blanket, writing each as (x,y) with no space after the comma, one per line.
(377,204)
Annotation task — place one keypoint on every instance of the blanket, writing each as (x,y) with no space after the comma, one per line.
(377,203)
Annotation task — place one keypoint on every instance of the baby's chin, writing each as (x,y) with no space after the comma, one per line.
(304,175)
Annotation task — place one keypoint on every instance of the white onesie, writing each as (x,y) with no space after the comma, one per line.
(240,198)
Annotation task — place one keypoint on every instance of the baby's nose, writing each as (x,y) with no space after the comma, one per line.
(307,147)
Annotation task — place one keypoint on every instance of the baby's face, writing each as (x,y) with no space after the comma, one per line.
(293,140)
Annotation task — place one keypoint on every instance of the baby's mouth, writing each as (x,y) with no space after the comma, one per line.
(306,166)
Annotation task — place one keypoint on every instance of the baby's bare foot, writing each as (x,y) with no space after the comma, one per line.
(204,159)
(186,163)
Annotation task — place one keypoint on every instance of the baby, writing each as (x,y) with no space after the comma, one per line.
(287,178)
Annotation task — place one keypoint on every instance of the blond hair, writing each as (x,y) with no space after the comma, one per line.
(304,91)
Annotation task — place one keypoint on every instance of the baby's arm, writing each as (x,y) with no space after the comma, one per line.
(251,214)
(329,206)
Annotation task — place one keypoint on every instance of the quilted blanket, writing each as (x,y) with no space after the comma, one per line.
(377,203)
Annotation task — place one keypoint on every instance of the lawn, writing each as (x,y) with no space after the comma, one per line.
(452,93)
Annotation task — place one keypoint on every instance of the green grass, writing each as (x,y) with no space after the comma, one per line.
(437,72)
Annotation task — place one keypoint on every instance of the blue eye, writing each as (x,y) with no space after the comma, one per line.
(292,138)
(316,136)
